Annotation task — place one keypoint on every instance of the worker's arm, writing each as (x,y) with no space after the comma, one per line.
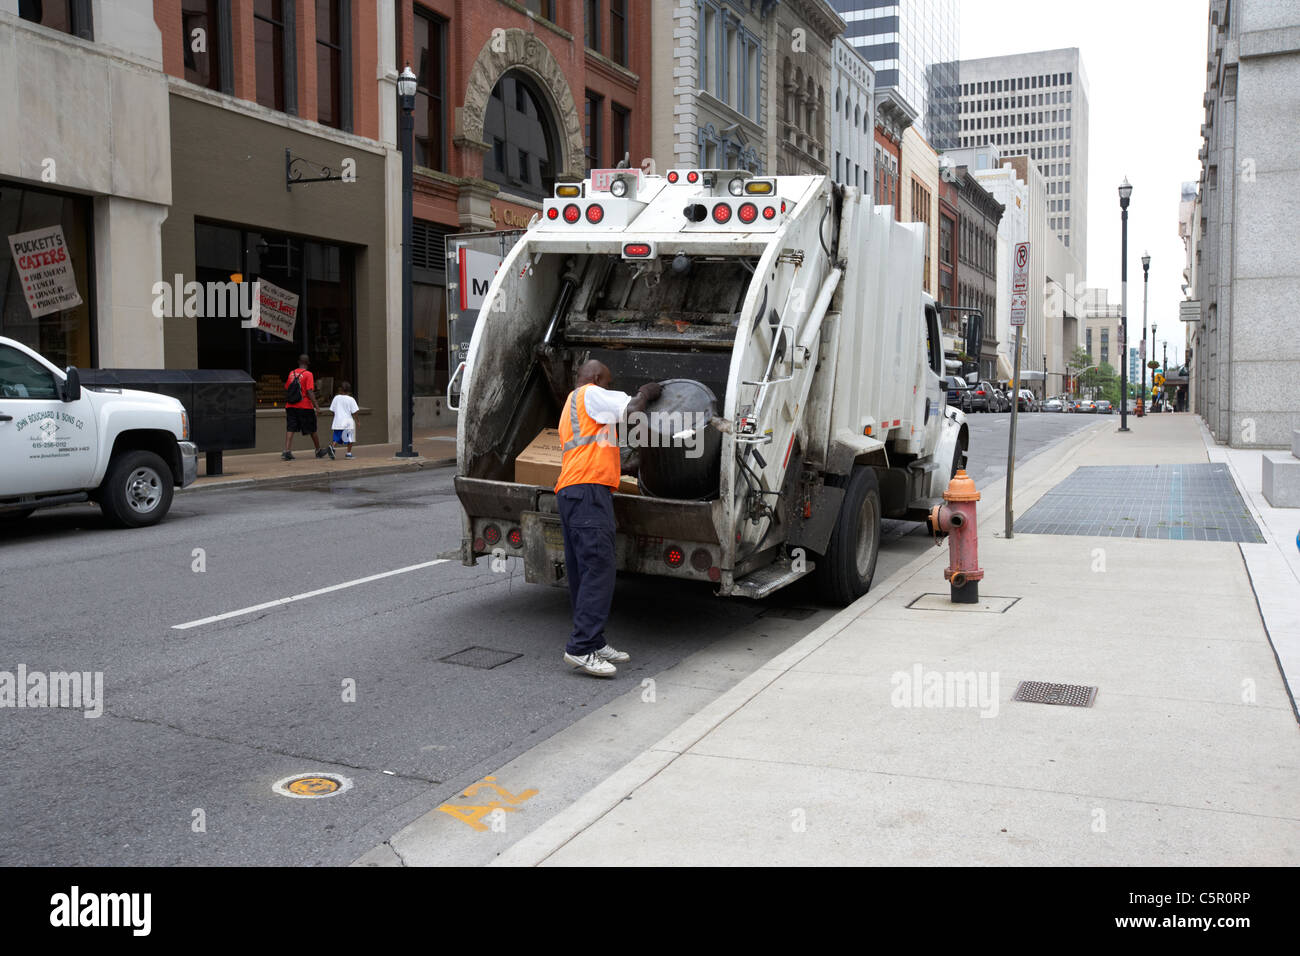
(646,394)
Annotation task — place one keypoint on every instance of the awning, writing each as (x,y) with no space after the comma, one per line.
(1005,372)
(952,365)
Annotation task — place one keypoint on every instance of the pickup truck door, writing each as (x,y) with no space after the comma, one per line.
(46,444)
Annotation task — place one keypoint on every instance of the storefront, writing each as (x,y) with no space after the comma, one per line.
(65,336)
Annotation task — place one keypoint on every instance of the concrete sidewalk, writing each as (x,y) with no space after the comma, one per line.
(433,447)
(837,751)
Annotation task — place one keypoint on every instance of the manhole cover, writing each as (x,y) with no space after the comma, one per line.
(484,658)
(312,785)
(1070,695)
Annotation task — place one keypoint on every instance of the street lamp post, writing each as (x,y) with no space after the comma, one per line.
(1146,267)
(1125,191)
(406,100)
(1044,378)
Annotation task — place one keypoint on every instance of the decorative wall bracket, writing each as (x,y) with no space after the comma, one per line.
(292,175)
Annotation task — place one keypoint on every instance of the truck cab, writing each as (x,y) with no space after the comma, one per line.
(61,443)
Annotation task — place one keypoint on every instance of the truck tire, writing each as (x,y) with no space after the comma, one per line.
(957,461)
(844,573)
(137,491)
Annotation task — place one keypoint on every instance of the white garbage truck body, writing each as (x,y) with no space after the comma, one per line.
(798,304)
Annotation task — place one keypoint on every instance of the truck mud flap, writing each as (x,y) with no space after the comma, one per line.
(543,549)
(483,498)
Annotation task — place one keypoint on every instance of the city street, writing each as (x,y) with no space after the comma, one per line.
(199,722)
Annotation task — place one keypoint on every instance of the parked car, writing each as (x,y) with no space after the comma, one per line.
(1027,402)
(982,397)
(1085,405)
(1103,407)
(958,392)
(1002,401)
(1053,405)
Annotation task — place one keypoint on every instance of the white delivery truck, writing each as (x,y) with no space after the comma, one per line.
(792,308)
(61,443)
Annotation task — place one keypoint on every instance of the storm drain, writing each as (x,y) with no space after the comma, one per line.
(484,658)
(1068,695)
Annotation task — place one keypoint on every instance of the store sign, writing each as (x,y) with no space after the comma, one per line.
(45,270)
(275,310)
(476,272)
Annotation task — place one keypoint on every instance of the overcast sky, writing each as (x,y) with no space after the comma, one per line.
(1145,65)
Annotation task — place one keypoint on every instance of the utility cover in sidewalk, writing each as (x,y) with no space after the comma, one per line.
(484,658)
(1181,502)
(311,785)
(989,603)
(1069,695)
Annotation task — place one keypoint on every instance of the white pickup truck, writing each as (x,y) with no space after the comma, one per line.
(59,443)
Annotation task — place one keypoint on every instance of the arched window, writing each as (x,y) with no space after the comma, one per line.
(520,129)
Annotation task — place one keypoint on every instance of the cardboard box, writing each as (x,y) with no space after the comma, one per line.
(539,463)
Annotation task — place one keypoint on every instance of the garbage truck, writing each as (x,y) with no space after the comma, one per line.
(786,314)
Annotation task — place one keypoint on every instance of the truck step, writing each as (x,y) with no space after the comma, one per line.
(765,581)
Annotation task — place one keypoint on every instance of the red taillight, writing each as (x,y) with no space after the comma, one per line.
(636,249)
(692,177)
(715,574)
(515,537)
(769,212)
(747,212)
(491,534)
(674,556)
(572,213)
(783,205)
(595,213)
(721,212)
(672,177)
(980,392)
(479,545)
(552,213)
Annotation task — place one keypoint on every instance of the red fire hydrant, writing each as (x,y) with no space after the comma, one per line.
(956,520)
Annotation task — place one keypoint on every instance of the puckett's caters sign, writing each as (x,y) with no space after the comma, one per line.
(45,270)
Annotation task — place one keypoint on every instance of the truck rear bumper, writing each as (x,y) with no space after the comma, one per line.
(189,463)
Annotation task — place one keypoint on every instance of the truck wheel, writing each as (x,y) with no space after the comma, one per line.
(137,491)
(844,573)
(957,461)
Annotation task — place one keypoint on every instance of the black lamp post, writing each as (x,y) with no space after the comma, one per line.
(1146,270)
(1044,378)
(1125,191)
(406,100)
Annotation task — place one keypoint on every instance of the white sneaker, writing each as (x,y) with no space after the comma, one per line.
(608,653)
(592,664)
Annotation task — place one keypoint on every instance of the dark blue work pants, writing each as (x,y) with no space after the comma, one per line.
(587,516)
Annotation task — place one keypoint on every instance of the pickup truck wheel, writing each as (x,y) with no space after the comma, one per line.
(137,491)
(844,573)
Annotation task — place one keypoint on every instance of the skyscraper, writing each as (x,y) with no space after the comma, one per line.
(913,47)
(1036,105)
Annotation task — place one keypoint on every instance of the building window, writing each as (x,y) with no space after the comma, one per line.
(272,46)
(591,131)
(543,8)
(708,40)
(64,336)
(431,84)
(333,93)
(522,133)
(320,274)
(200,39)
(618,31)
(591,24)
(620,129)
(66,16)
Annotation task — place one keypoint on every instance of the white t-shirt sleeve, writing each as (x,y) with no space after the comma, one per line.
(605,405)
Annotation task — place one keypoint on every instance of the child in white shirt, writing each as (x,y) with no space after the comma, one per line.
(343,408)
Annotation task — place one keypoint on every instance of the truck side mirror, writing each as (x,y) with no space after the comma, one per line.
(72,386)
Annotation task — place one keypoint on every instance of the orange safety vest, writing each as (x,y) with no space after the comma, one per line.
(590,452)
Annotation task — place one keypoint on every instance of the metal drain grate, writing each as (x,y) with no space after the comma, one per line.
(789,613)
(484,658)
(1070,695)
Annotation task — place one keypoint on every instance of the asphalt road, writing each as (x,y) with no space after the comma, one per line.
(198,723)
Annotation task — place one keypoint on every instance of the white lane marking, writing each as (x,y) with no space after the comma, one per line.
(298,597)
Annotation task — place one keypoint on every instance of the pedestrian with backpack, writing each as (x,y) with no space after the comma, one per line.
(300,409)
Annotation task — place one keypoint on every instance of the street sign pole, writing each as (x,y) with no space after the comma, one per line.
(1011,443)
(1019,310)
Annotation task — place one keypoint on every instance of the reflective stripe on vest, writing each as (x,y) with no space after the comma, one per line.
(592,458)
(579,438)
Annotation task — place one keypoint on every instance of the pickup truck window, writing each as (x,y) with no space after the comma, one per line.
(21,376)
